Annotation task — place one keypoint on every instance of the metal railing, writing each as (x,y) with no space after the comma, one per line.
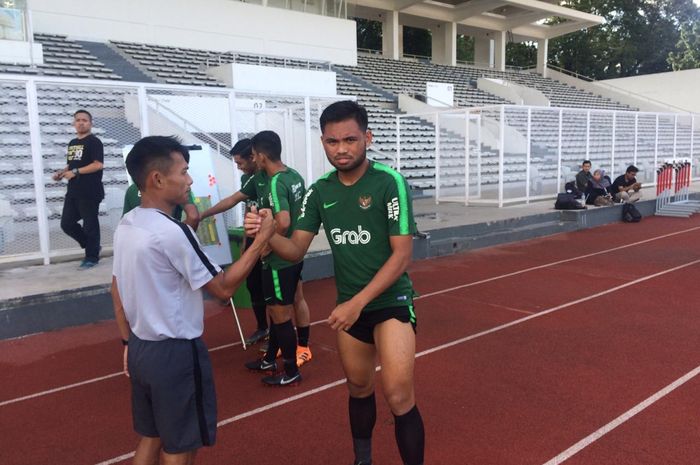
(503,154)
(38,112)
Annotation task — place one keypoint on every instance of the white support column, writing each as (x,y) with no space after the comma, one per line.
(542,50)
(656,143)
(38,170)
(444,44)
(392,35)
(675,133)
(588,134)
(692,140)
(499,54)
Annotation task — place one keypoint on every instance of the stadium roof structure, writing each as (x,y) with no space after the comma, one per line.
(524,19)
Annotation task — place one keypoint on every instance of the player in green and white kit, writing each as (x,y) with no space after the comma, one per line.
(282,193)
(365,208)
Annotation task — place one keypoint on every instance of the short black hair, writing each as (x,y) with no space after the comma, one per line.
(243,148)
(152,152)
(344,110)
(83,111)
(586,161)
(632,169)
(268,143)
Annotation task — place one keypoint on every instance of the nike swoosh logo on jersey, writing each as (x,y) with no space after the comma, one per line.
(261,184)
(329,205)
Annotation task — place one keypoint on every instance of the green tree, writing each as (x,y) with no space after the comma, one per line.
(637,37)
(523,54)
(417,41)
(465,48)
(688,55)
(369,34)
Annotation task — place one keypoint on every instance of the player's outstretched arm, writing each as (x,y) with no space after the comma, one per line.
(224,285)
(192,215)
(345,314)
(122,322)
(292,249)
(223,205)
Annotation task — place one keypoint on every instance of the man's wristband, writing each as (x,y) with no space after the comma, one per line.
(76,172)
(125,342)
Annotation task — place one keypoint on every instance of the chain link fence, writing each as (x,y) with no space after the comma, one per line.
(36,116)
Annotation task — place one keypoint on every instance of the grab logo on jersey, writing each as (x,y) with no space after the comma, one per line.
(350,237)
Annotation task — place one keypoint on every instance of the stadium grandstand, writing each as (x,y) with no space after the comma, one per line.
(485,147)
(526,135)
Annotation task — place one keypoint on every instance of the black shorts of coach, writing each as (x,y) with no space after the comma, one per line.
(280,286)
(172,392)
(363,328)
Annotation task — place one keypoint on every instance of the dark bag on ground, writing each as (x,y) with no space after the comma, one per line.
(567,201)
(572,188)
(630,214)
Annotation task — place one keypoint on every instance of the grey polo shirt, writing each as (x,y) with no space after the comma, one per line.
(160,270)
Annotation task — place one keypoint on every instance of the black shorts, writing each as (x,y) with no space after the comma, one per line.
(254,284)
(363,329)
(172,392)
(279,286)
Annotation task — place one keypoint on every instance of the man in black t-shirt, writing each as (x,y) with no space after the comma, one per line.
(625,188)
(83,171)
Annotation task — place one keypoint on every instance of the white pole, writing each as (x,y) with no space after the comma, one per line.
(501,155)
(307,139)
(561,123)
(612,150)
(588,134)
(437,158)
(527,156)
(38,169)
(398,143)
(636,135)
(675,131)
(143,107)
(478,154)
(467,115)
(692,135)
(238,209)
(656,143)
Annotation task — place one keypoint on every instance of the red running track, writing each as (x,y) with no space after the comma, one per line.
(538,352)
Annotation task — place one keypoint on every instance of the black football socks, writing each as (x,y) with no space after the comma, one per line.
(363,416)
(410,436)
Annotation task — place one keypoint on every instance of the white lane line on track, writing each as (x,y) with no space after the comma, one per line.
(507,275)
(439,348)
(61,388)
(591,438)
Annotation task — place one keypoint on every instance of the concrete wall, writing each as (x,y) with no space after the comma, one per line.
(20,53)
(520,95)
(678,89)
(220,25)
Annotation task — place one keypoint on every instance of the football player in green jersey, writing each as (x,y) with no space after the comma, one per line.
(365,208)
(281,278)
(242,154)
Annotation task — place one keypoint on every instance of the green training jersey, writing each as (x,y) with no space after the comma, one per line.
(284,192)
(132,199)
(358,221)
(252,199)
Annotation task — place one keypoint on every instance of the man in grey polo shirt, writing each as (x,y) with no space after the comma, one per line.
(158,276)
